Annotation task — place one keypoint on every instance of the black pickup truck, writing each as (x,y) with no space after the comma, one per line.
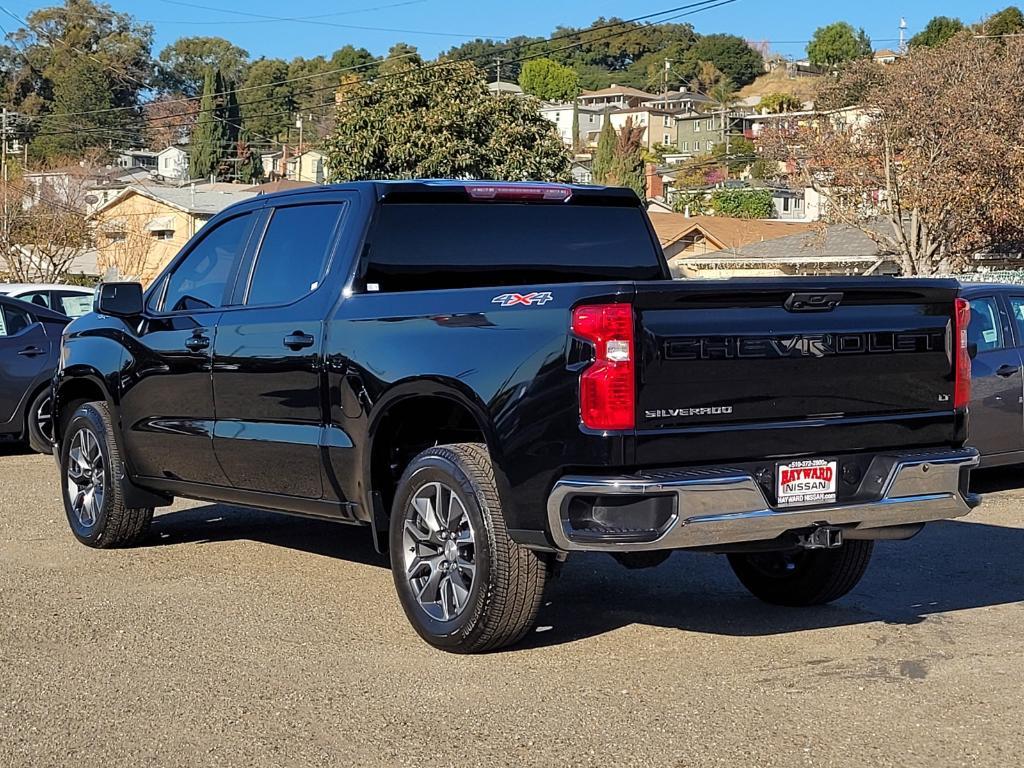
(491,376)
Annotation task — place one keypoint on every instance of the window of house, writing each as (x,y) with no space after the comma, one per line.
(289,266)
(710,145)
(200,281)
(696,126)
(785,205)
(686,146)
(666,138)
(163,234)
(668,121)
(711,123)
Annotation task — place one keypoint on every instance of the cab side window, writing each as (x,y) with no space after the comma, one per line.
(985,328)
(201,280)
(293,256)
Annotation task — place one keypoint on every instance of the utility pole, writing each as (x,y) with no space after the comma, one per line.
(3,171)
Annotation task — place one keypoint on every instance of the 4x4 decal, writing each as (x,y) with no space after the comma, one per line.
(528,299)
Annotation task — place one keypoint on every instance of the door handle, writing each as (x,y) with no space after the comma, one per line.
(298,340)
(1006,371)
(197,342)
(31,351)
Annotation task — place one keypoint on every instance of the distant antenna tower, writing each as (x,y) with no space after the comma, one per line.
(903,35)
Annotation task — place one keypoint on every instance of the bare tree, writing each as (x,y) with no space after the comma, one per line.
(930,161)
(44,230)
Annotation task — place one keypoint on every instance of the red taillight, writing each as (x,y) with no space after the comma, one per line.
(608,385)
(961,357)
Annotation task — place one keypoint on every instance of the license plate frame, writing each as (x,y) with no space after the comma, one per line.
(807,482)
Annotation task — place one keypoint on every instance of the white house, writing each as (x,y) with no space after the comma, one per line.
(172,163)
(591,120)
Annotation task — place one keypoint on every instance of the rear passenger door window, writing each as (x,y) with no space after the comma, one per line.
(1017,317)
(13,320)
(986,327)
(201,280)
(294,254)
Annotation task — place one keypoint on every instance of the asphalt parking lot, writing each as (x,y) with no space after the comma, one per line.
(247,638)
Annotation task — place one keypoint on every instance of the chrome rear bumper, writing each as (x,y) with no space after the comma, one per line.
(715,506)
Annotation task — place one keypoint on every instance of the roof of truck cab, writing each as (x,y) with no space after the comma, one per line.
(440,186)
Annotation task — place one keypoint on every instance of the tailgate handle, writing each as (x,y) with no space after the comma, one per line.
(813,302)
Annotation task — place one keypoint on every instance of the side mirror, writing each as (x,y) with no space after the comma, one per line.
(119,299)
(972,349)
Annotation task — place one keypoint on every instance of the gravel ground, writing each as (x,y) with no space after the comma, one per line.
(252,639)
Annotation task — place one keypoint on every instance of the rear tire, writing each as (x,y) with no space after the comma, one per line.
(465,586)
(803,577)
(39,422)
(90,467)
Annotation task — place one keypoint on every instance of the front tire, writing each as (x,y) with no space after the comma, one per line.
(803,577)
(465,586)
(39,422)
(90,464)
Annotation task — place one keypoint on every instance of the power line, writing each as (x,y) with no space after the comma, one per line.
(694,7)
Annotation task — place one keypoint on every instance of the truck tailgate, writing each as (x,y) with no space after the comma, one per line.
(793,366)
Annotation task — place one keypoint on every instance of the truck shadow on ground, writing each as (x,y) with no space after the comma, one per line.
(950,566)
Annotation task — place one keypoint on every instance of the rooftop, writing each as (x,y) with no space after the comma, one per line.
(725,232)
(202,199)
(619,90)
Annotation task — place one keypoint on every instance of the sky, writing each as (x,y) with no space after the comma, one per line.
(436,25)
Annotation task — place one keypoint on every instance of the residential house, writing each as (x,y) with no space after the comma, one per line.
(79,186)
(591,120)
(279,185)
(698,132)
(838,249)
(136,158)
(687,239)
(172,163)
(619,96)
(310,166)
(887,56)
(680,101)
(502,87)
(273,163)
(582,172)
(659,125)
(141,229)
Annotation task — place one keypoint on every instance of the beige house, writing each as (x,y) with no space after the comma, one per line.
(659,125)
(310,166)
(140,230)
(688,240)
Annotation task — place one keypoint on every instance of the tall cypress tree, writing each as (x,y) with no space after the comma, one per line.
(210,140)
(604,157)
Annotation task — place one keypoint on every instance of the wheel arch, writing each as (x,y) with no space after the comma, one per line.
(72,391)
(412,416)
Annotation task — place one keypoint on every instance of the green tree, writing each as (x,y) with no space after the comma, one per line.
(400,56)
(605,153)
(184,63)
(210,142)
(837,44)
(549,81)
(1009,21)
(764,169)
(267,102)
(936,32)
(83,87)
(430,122)
(739,154)
(729,54)
(694,203)
(743,203)
(775,103)
(72,45)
